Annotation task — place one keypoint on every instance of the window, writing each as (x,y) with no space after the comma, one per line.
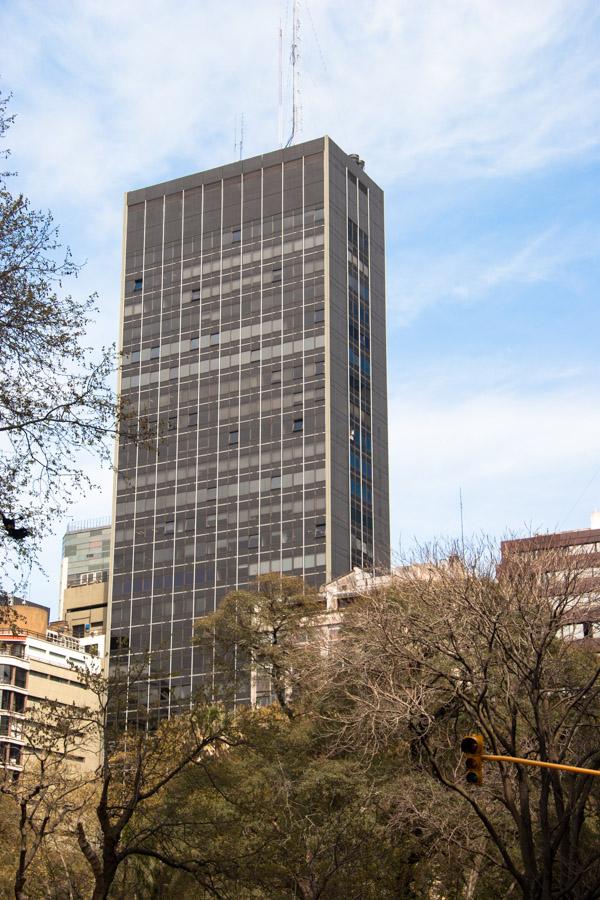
(298,425)
(275,376)
(275,482)
(195,294)
(233,438)
(14,755)
(138,284)
(172,422)
(236,234)
(255,355)
(78,631)
(18,703)
(193,418)
(170,526)
(252,541)
(319,314)
(320,368)
(119,642)
(194,343)
(277,272)
(320,530)
(154,352)
(297,373)
(214,338)
(20,677)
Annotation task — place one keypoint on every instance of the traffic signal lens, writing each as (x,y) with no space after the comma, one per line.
(469,745)
(471,763)
(472,778)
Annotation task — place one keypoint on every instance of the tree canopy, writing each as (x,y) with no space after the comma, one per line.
(56,404)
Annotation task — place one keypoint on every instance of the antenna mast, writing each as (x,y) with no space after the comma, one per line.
(295,60)
(280,84)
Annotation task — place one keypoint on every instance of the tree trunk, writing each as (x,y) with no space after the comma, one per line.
(21,869)
(104,880)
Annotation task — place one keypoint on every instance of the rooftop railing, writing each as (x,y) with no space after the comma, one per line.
(88,524)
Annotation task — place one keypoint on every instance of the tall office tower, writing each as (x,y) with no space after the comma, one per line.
(253,333)
(84,576)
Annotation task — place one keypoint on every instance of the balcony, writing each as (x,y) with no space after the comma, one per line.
(12,648)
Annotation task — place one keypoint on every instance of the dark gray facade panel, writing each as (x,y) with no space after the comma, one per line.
(358,345)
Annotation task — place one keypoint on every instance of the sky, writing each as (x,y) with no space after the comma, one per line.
(481,122)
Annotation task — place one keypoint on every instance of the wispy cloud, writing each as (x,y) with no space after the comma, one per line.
(437,97)
(425,89)
(520,457)
(471,269)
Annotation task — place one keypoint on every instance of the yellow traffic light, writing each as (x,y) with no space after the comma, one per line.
(472,747)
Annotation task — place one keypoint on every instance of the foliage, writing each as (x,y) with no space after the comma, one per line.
(276,818)
(49,789)
(351,783)
(137,765)
(452,650)
(262,631)
(55,403)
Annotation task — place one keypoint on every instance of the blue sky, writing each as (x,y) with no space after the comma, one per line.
(481,121)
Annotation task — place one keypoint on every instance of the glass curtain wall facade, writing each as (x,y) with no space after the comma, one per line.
(247,323)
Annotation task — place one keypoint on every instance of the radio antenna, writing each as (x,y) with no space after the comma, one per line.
(280,136)
(295,64)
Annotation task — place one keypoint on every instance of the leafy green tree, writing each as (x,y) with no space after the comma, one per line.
(261,633)
(276,818)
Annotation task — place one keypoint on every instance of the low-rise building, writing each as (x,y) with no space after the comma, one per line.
(572,558)
(37,665)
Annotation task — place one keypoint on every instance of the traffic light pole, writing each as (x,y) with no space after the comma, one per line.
(542,765)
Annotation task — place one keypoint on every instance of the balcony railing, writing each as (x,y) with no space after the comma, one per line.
(12,648)
(52,637)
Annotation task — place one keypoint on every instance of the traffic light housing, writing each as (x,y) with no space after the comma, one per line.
(472,747)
